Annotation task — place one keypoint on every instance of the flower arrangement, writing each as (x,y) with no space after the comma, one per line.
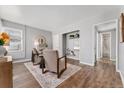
(4,39)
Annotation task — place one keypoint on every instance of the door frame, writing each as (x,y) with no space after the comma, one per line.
(116,26)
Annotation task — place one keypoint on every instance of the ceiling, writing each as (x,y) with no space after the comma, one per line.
(51,17)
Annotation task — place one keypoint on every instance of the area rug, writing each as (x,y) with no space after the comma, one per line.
(50,80)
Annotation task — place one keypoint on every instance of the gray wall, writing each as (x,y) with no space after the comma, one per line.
(64,43)
(113,45)
(121,53)
(29,34)
(20,54)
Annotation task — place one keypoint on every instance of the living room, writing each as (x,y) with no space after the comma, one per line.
(61,33)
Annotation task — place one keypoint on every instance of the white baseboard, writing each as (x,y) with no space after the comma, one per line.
(113,59)
(21,60)
(122,78)
(72,58)
(90,64)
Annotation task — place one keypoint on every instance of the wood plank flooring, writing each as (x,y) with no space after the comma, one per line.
(22,78)
(103,75)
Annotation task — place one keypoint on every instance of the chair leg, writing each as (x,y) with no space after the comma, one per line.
(58,76)
(42,70)
(65,62)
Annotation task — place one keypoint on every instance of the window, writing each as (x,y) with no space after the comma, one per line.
(16,39)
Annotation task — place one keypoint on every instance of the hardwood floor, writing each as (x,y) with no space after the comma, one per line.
(103,75)
(22,78)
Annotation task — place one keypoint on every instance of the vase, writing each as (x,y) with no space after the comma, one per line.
(2,51)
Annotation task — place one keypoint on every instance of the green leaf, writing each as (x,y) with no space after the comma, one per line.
(2,42)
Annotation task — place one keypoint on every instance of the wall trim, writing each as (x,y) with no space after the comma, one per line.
(21,60)
(73,58)
(90,64)
(122,78)
(113,59)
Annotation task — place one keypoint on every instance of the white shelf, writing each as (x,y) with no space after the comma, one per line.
(76,48)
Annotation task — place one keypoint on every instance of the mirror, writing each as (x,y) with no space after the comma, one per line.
(40,43)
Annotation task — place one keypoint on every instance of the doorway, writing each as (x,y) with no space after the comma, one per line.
(106,42)
(105,45)
(71,46)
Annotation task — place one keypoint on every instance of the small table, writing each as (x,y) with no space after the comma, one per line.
(42,63)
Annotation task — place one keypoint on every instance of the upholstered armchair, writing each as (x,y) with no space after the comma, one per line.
(35,57)
(53,63)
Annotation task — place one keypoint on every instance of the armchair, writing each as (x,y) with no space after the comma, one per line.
(53,63)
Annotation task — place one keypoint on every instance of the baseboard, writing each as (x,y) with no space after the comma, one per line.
(122,78)
(21,60)
(73,58)
(113,59)
(90,64)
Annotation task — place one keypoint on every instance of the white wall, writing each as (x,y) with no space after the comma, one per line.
(98,47)
(0,24)
(86,28)
(56,42)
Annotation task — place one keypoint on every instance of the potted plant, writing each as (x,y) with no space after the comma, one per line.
(4,40)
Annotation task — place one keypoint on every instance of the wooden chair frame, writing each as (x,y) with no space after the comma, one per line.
(58,62)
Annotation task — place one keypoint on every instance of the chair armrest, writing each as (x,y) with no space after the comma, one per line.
(58,62)
(35,54)
(62,57)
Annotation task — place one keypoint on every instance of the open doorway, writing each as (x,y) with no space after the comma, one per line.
(107,46)
(71,45)
(106,43)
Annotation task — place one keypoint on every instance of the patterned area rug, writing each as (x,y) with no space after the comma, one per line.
(50,80)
